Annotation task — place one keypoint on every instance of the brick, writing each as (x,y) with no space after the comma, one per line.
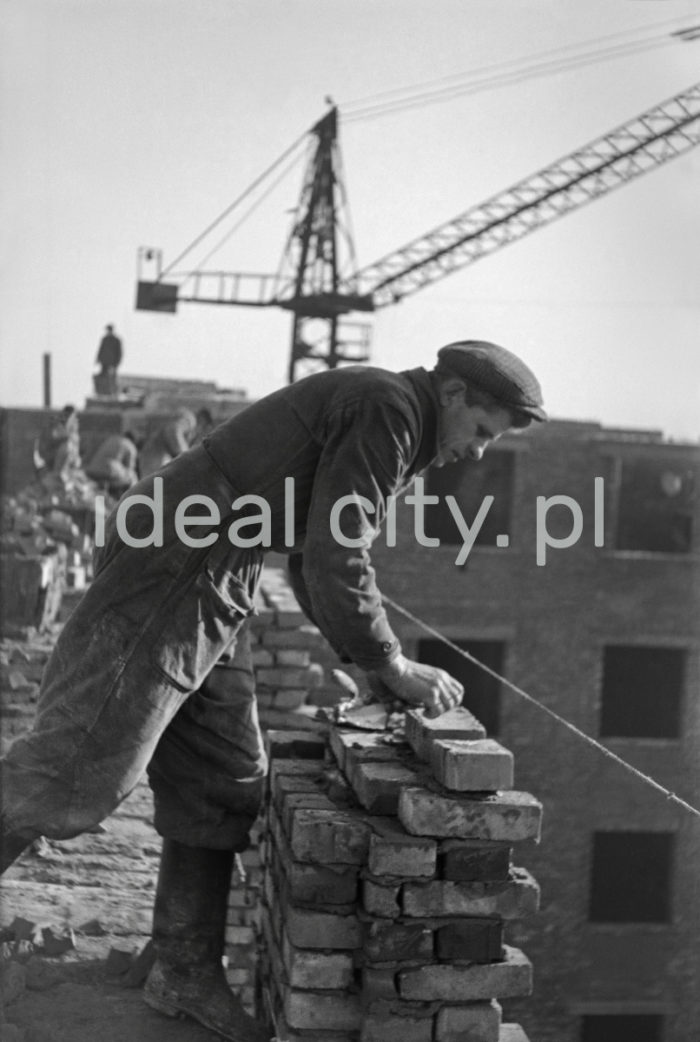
(506,816)
(289,698)
(382,901)
(279,677)
(318,1011)
(303,637)
(262,658)
(513,898)
(482,765)
(393,942)
(241,898)
(422,730)
(470,940)
(317,884)
(294,745)
(290,1034)
(394,852)
(285,784)
(461,860)
(398,1007)
(236,978)
(241,958)
(293,657)
(511,978)
(396,1029)
(261,621)
(369,747)
(290,802)
(366,747)
(308,929)
(378,985)
(475,1022)
(240,935)
(264,701)
(324,836)
(290,618)
(314,969)
(378,785)
(512,1033)
(291,719)
(278,767)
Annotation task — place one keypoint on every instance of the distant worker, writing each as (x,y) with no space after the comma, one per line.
(205,425)
(114,464)
(58,446)
(167,442)
(109,356)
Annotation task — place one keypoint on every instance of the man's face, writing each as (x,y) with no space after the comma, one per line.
(466,431)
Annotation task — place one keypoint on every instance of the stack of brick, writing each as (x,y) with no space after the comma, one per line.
(389,883)
(282,641)
(282,645)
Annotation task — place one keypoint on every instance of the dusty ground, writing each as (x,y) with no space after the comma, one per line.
(99,886)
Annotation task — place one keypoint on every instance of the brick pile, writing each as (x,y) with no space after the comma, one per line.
(283,642)
(389,883)
(282,646)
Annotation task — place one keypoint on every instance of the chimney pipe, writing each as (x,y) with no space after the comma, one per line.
(47,380)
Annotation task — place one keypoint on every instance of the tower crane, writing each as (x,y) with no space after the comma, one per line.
(318,280)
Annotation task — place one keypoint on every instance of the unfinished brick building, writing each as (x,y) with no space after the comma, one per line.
(606,635)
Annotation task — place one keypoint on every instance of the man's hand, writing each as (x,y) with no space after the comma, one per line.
(419,685)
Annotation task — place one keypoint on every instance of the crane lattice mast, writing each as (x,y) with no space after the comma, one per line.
(317,280)
(651,139)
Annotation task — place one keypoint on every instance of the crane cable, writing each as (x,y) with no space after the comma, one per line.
(681,32)
(251,209)
(671,796)
(258,180)
(364,111)
(500,74)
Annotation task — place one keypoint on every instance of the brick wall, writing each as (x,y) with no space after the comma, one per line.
(355,918)
(283,648)
(389,886)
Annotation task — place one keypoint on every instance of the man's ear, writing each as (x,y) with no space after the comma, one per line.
(452,390)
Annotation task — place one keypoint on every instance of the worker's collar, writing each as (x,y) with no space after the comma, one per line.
(426,391)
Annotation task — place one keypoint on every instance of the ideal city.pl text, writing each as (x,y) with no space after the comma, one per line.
(254,529)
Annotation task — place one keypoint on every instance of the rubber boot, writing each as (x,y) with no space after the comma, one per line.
(189,923)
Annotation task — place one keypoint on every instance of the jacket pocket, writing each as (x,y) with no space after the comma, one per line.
(201,621)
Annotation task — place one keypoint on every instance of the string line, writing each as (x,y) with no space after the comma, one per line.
(671,796)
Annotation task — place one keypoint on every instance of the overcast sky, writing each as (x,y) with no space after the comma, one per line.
(132,123)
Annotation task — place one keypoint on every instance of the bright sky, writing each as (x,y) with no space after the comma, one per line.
(132,123)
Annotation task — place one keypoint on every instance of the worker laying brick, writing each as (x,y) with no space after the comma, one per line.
(153,671)
(113,465)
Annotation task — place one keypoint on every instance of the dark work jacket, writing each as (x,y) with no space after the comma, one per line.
(109,354)
(358,432)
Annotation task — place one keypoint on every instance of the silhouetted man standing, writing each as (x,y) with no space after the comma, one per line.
(109,356)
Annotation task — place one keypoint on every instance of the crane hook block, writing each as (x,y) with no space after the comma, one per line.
(156,296)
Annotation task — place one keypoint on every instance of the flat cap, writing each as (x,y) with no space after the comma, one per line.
(497,371)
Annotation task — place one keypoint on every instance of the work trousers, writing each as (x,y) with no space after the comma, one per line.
(152,671)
